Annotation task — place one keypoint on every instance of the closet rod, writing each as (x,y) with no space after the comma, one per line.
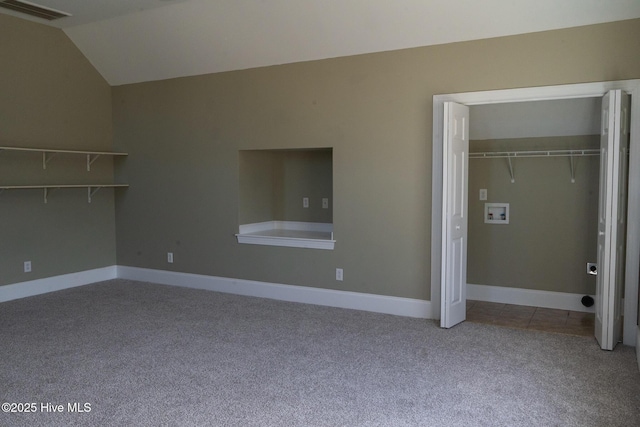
(536,153)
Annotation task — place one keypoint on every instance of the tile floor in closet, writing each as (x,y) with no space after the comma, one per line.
(526,317)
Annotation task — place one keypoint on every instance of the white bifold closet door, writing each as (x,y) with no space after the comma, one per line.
(614,142)
(454,214)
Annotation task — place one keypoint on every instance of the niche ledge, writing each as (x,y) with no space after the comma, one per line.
(310,235)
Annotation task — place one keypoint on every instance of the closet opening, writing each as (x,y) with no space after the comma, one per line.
(573,170)
(533,213)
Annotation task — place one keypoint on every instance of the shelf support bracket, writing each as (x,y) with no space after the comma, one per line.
(90,160)
(91,193)
(511,170)
(47,192)
(45,159)
(573,169)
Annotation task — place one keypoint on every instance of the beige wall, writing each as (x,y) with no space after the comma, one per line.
(50,96)
(374,110)
(184,136)
(258,177)
(553,222)
(306,173)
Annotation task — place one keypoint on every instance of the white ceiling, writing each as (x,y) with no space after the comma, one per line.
(130,41)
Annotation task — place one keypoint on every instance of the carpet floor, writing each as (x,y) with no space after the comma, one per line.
(152,355)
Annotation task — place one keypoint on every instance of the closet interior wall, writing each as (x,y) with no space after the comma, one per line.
(552,230)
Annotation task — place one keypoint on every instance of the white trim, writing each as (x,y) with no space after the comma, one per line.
(56,283)
(290,242)
(252,234)
(542,93)
(518,296)
(258,227)
(399,306)
(582,90)
(320,227)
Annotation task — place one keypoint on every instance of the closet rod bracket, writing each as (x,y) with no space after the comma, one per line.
(91,193)
(573,169)
(513,179)
(47,192)
(46,157)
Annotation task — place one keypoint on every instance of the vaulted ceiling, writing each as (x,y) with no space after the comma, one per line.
(130,41)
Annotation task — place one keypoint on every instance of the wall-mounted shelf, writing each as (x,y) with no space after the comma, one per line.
(47,154)
(47,189)
(536,153)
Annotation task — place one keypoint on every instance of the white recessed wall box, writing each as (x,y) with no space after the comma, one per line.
(496,213)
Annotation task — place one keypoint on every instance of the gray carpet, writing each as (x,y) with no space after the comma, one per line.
(151,355)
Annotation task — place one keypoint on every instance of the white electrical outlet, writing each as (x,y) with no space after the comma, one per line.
(325,203)
(339,274)
(170,257)
(305,202)
(27,266)
(483,194)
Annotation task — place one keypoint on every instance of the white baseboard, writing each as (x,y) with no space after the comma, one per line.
(56,283)
(546,299)
(334,298)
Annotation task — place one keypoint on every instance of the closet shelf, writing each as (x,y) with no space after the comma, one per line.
(91,188)
(48,153)
(536,153)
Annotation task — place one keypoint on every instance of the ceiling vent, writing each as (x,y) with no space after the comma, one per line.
(33,9)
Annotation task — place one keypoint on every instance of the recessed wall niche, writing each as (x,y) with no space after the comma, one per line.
(286,197)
